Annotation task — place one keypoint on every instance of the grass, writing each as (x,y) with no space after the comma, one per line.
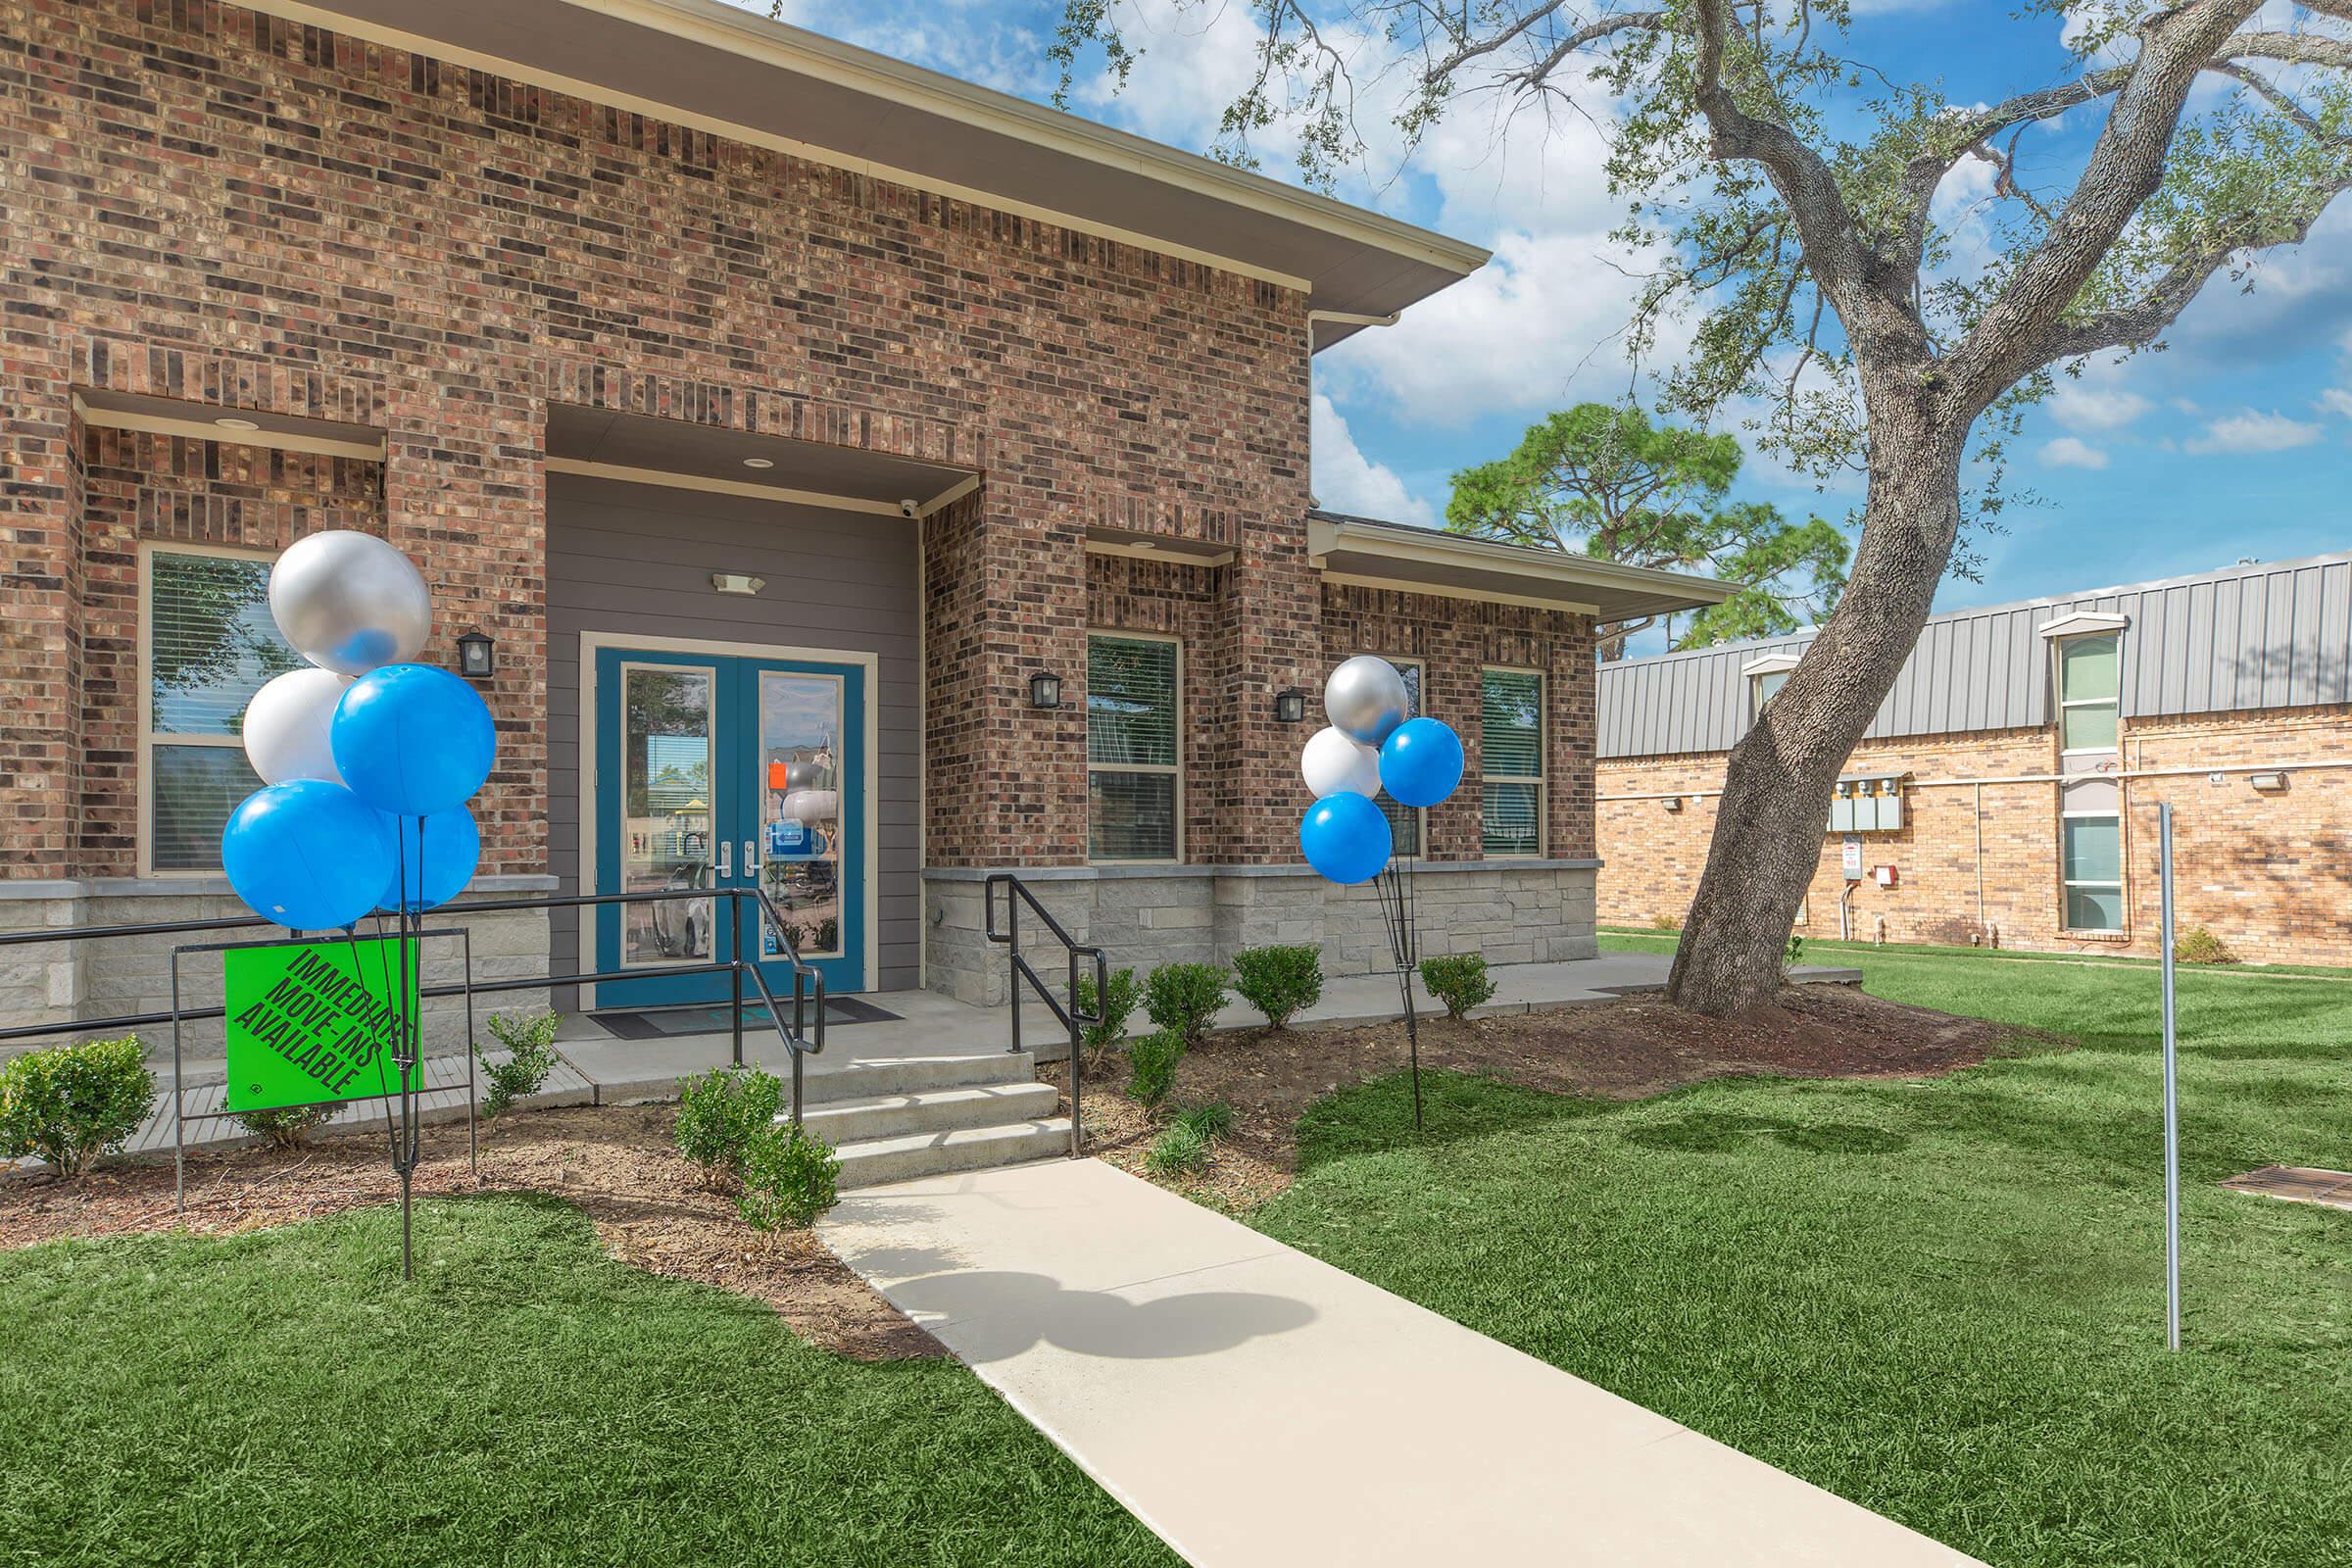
(1942,1298)
(283,1396)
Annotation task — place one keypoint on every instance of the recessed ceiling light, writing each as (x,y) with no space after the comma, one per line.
(759,462)
(237,425)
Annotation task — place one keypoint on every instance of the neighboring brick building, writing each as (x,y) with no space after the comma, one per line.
(2025,749)
(767,403)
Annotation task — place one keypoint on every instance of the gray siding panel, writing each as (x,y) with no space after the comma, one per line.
(625,558)
(2247,637)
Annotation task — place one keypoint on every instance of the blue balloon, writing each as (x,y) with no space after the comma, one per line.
(307,854)
(1346,838)
(434,860)
(1421,761)
(412,740)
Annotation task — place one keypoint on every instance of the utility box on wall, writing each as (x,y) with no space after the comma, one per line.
(1867,802)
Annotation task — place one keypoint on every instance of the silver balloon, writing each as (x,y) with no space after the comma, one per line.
(349,602)
(803,776)
(1365,699)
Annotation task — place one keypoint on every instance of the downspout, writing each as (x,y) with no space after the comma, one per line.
(1980,859)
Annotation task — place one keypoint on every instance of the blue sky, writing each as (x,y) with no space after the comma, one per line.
(2232,443)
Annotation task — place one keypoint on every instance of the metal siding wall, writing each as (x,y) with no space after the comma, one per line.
(637,559)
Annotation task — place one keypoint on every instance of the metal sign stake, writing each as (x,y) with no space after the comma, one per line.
(2172,1092)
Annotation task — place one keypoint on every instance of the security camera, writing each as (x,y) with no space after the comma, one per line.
(908,508)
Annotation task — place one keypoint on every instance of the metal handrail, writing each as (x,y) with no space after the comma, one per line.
(806,980)
(1075,1018)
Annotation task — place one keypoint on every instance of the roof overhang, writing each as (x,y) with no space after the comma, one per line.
(712,66)
(1397,556)
(2081,621)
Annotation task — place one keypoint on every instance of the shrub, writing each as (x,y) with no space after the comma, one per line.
(531,1047)
(1185,997)
(1151,1066)
(1279,982)
(1121,996)
(719,1114)
(790,1177)
(2196,945)
(69,1104)
(287,1128)
(1461,982)
(1664,922)
(1209,1121)
(1794,952)
(1178,1151)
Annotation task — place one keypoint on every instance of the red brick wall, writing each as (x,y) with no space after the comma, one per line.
(2270,874)
(209,204)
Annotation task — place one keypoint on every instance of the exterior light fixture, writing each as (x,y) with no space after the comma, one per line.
(759,462)
(737,582)
(475,651)
(1290,706)
(2267,783)
(1674,803)
(230,423)
(1045,689)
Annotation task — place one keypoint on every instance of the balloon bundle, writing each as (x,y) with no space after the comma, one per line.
(1369,746)
(366,761)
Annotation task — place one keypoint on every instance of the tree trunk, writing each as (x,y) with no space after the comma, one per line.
(1777,790)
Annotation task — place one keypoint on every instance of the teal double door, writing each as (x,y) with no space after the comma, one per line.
(721,771)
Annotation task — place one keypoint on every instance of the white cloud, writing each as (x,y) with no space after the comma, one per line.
(2086,405)
(1346,480)
(2334,400)
(2072,452)
(2250,431)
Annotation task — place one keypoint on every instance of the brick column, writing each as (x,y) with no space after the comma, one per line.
(41,614)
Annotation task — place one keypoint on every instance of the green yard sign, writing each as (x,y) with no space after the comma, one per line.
(309,1024)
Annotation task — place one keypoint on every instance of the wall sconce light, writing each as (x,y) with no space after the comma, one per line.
(1290,706)
(1045,690)
(2267,783)
(1674,803)
(736,582)
(475,651)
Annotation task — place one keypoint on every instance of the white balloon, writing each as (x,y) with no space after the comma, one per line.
(812,806)
(1334,764)
(1366,697)
(286,727)
(349,602)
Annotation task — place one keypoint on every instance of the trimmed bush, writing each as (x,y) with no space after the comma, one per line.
(790,1177)
(1151,1066)
(1180,1151)
(1461,982)
(532,1044)
(69,1104)
(2196,945)
(1185,997)
(720,1112)
(1121,996)
(1279,982)
(286,1129)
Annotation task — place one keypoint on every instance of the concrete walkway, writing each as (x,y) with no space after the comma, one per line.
(1255,1406)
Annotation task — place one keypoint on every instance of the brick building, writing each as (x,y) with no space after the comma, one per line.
(783,416)
(2007,791)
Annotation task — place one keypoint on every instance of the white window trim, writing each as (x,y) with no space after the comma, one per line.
(144,763)
(2082,623)
(2068,884)
(2058,646)
(1174,771)
(1420,813)
(1541,781)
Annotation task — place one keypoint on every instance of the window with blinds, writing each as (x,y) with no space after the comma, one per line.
(1131,748)
(1511,761)
(210,644)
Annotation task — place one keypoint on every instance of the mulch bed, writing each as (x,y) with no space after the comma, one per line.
(617,1162)
(1626,1049)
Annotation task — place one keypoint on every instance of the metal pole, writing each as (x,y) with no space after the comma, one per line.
(1013,960)
(473,1159)
(735,971)
(2172,1092)
(179,1140)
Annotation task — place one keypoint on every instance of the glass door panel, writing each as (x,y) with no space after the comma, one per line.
(799,836)
(668,748)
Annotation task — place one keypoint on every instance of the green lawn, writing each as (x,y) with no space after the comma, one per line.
(283,1397)
(1944,1298)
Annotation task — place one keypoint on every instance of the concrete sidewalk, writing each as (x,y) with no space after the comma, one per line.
(1255,1406)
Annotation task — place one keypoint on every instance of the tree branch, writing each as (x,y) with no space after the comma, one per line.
(2136,324)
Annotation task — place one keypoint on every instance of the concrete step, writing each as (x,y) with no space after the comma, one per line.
(832,1077)
(868,1162)
(843,1121)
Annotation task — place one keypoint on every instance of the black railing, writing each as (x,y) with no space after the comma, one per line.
(807,982)
(1074,1017)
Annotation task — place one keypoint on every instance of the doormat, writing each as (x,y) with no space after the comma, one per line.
(2297,1184)
(657,1023)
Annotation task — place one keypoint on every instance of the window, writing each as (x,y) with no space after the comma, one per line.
(1511,761)
(210,644)
(1131,747)
(2088,671)
(1766,686)
(1406,821)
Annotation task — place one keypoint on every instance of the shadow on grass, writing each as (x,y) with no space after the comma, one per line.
(1719,1132)
(1376,1116)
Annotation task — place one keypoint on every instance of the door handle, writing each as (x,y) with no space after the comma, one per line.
(726,859)
(751,860)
